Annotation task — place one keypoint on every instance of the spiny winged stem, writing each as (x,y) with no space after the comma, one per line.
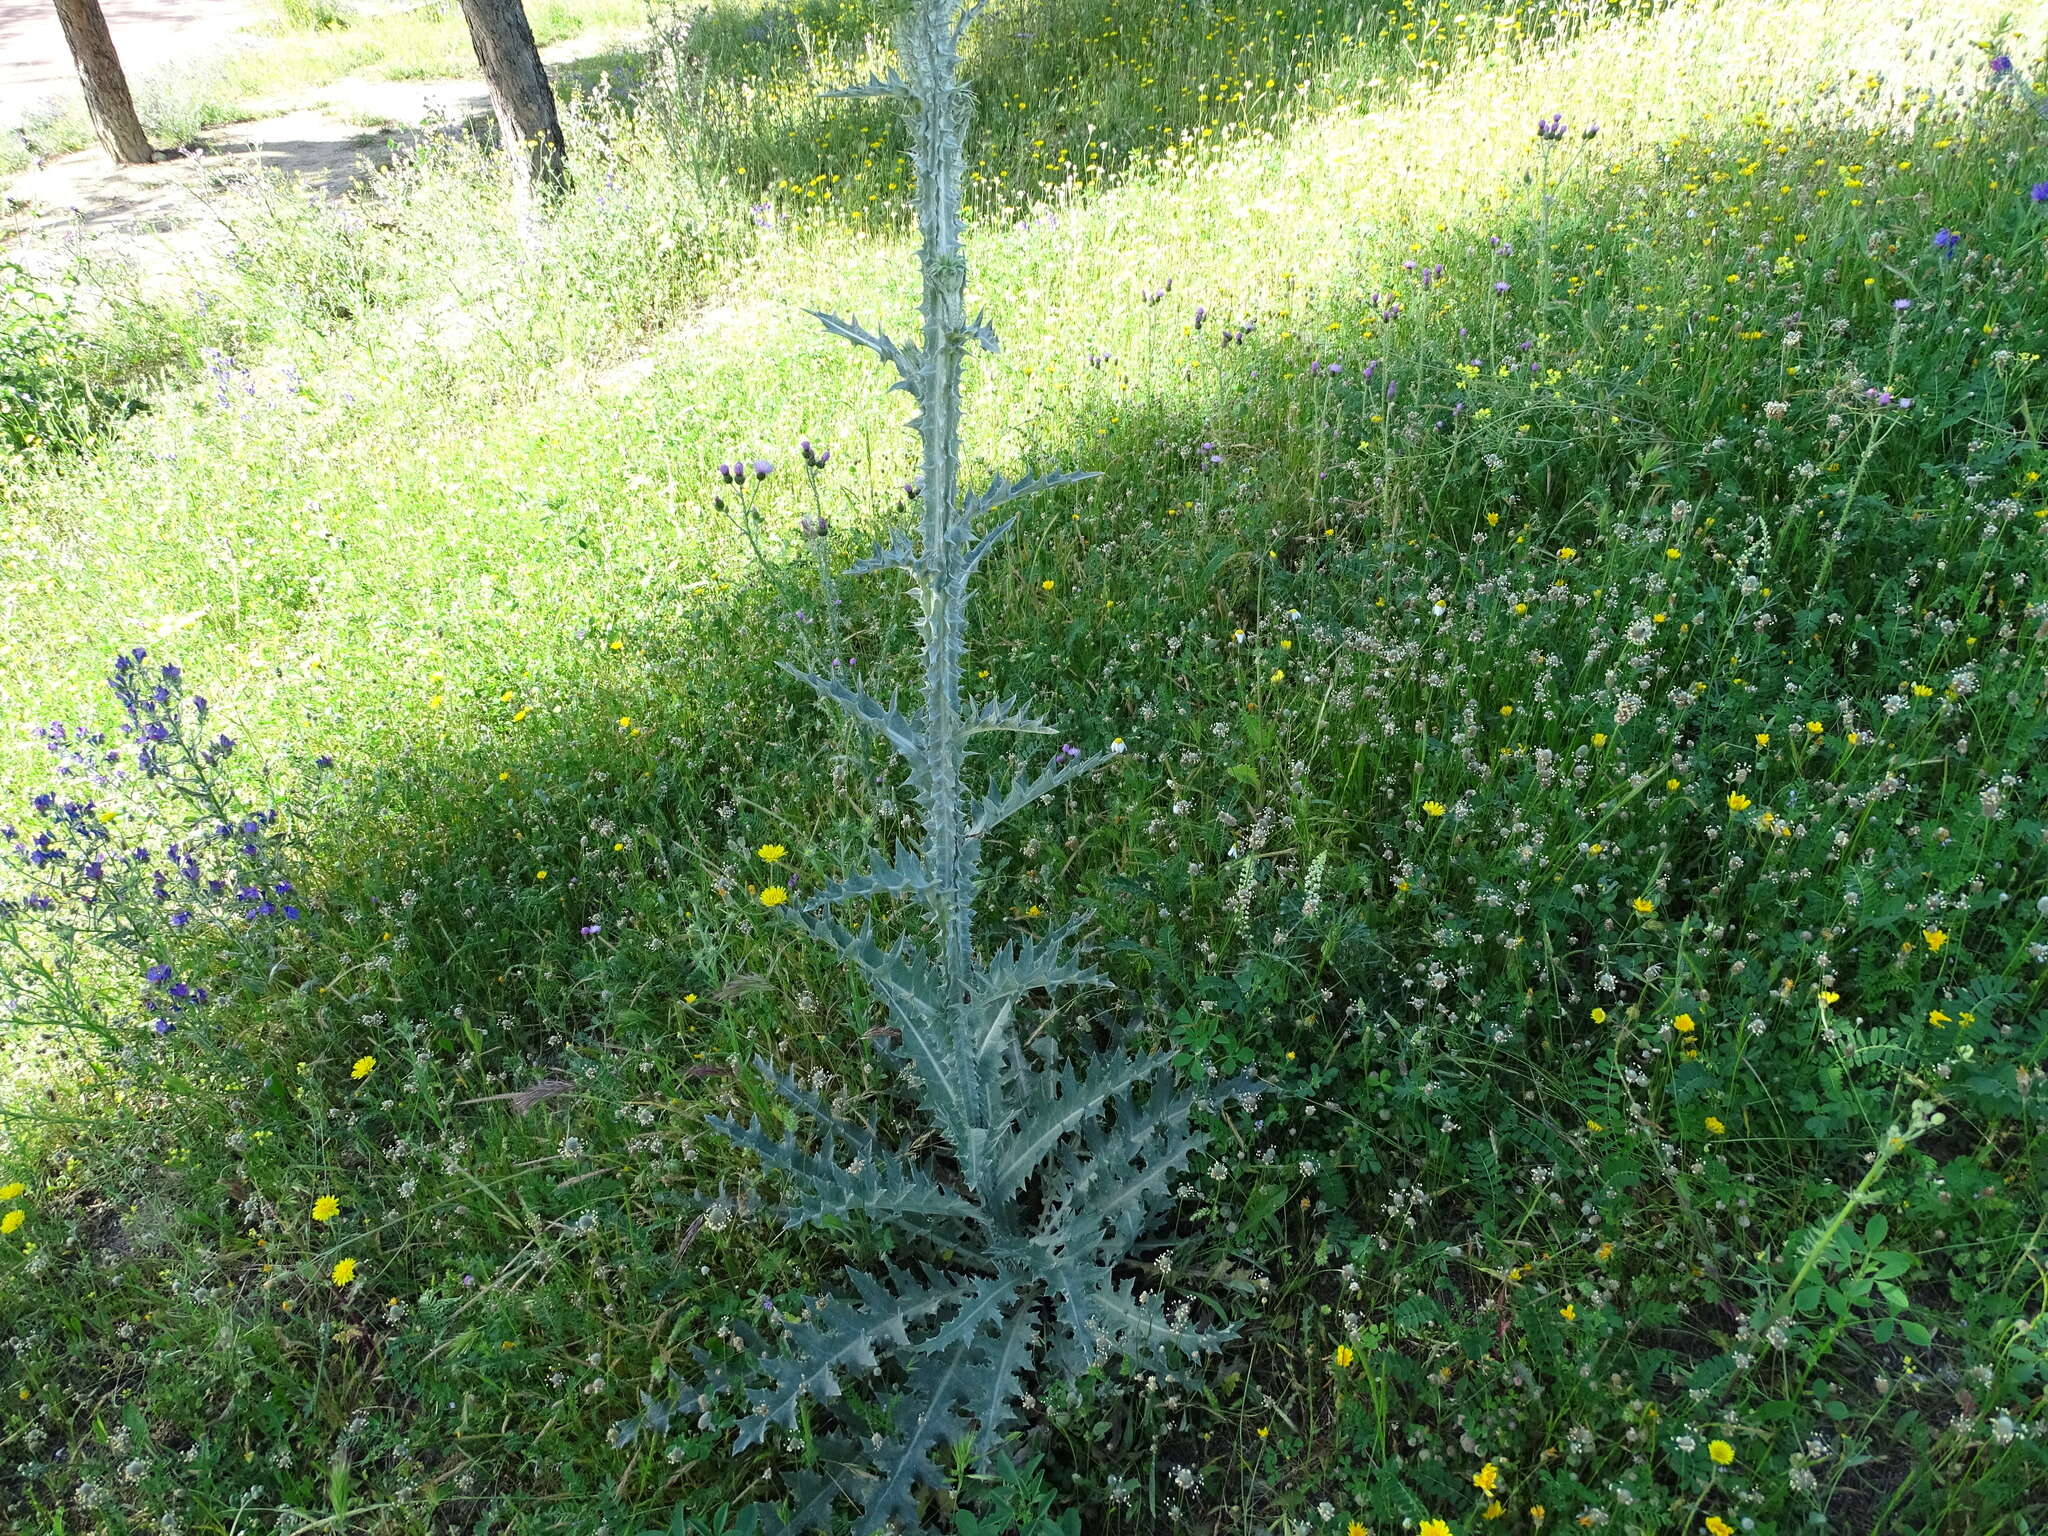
(940,134)
(1012,1252)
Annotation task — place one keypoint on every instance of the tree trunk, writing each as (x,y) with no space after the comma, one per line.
(520,95)
(107,101)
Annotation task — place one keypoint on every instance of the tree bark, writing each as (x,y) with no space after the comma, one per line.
(520,94)
(107,101)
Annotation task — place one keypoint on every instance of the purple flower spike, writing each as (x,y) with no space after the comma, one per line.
(2038,192)
(2001,65)
(1946,239)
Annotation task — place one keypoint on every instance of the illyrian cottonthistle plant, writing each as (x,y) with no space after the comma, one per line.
(1009,1246)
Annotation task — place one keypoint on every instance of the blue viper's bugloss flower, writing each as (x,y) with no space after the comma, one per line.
(2038,192)
(1946,239)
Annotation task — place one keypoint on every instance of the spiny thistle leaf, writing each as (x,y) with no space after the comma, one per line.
(1008,1361)
(1000,490)
(930,1413)
(885,720)
(997,809)
(1002,715)
(893,554)
(905,357)
(888,84)
(1108,1078)
(905,875)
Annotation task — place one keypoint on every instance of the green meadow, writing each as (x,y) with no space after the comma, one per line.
(1566,613)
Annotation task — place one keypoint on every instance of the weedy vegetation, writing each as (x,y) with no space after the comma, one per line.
(1549,669)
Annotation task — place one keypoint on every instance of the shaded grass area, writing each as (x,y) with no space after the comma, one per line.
(1314,608)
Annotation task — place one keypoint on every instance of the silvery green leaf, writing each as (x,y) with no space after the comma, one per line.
(927,1414)
(885,720)
(1001,715)
(885,85)
(895,554)
(997,809)
(907,358)
(905,875)
(999,490)
(1109,1078)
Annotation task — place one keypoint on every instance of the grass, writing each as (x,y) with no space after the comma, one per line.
(1584,746)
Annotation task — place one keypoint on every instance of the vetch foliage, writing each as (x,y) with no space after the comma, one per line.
(1014,1239)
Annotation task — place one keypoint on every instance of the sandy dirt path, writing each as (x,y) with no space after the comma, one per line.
(149,34)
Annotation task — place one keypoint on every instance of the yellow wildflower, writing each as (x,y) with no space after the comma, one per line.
(364,1066)
(1432,807)
(13,1191)
(768,853)
(1715,1127)
(1344,1356)
(1487,1479)
(326,1208)
(344,1272)
(12,1220)
(1720,1452)
(1935,938)
(774,896)
(1737,801)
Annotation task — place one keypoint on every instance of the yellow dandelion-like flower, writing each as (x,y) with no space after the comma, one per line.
(768,853)
(774,896)
(1738,801)
(1935,938)
(1278,676)
(1716,1526)
(1356,1528)
(1046,586)
(344,1272)
(1684,1024)
(1599,738)
(13,1219)
(1814,728)
(1434,1528)
(1644,905)
(364,1066)
(1432,807)
(1487,1479)
(326,1208)
(1595,1127)
(1722,1453)
(13,1191)
(1715,1127)
(1763,738)
(1494,1510)
(1344,1356)
(1568,1312)
(1567,553)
